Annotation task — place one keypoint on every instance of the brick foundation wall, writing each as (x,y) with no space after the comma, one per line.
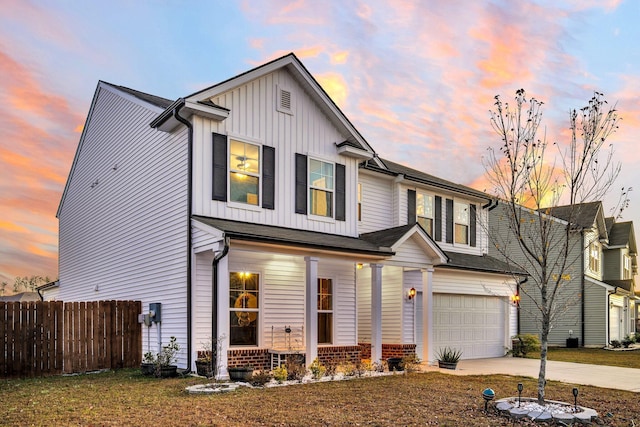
(388,350)
(256,357)
(337,354)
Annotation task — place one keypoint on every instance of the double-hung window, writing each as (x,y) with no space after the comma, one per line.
(461,223)
(325,311)
(244,308)
(594,257)
(424,211)
(626,267)
(321,188)
(244,172)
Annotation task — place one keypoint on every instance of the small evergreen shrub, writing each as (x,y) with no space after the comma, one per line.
(280,374)
(524,344)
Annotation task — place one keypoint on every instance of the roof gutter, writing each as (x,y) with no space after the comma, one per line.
(176,115)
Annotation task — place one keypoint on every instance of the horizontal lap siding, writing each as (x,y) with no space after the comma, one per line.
(202,288)
(377,203)
(344,303)
(595,322)
(363,292)
(412,279)
(391,304)
(254,116)
(127,235)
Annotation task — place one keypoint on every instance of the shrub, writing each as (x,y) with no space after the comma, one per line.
(411,363)
(317,369)
(637,337)
(524,344)
(260,378)
(331,369)
(280,374)
(295,367)
(616,344)
(627,341)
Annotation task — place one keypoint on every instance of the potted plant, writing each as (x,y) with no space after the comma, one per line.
(448,358)
(166,358)
(240,373)
(148,365)
(204,362)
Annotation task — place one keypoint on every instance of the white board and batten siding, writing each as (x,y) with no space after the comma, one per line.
(127,179)
(254,118)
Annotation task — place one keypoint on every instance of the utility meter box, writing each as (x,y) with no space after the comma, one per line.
(155,311)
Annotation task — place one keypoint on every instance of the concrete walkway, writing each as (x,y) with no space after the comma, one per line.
(573,373)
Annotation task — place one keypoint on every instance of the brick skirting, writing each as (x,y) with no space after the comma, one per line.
(256,357)
(337,354)
(388,350)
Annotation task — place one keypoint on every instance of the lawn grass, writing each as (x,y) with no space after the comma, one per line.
(594,356)
(125,397)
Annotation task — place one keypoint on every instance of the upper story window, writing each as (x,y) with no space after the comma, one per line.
(244,308)
(325,311)
(424,211)
(461,223)
(321,188)
(626,267)
(594,257)
(244,172)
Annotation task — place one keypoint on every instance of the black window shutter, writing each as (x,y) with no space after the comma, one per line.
(472,225)
(301,184)
(437,220)
(341,195)
(268,177)
(449,219)
(219,176)
(411,206)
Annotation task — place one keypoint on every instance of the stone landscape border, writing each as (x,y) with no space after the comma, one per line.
(509,407)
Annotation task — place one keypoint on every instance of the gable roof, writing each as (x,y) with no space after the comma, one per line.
(621,233)
(394,237)
(582,215)
(417,176)
(295,237)
(299,72)
(151,99)
(626,284)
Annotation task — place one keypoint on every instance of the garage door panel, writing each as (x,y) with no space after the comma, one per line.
(475,324)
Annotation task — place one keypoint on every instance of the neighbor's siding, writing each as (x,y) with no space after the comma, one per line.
(595,333)
(308,131)
(612,263)
(126,236)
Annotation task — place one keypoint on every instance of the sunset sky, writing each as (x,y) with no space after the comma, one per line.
(417,79)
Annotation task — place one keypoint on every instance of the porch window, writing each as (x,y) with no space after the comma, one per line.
(594,257)
(244,305)
(424,212)
(461,223)
(325,311)
(244,172)
(321,188)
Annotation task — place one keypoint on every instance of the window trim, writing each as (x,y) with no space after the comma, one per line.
(433,210)
(455,222)
(310,186)
(230,170)
(332,311)
(259,310)
(359,202)
(594,248)
(626,267)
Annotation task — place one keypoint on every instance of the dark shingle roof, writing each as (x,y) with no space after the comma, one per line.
(627,284)
(582,215)
(151,99)
(388,237)
(479,263)
(619,233)
(424,178)
(293,237)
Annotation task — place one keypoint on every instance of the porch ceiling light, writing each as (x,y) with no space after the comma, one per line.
(411,294)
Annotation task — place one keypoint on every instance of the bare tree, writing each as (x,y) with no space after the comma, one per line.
(29,283)
(532,179)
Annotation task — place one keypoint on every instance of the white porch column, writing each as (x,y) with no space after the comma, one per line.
(311,309)
(376,312)
(222,312)
(427,316)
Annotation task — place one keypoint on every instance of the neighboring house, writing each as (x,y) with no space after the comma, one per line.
(594,302)
(620,266)
(21,297)
(254,211)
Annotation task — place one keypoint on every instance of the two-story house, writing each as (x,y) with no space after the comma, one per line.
(593,299)
(255,212)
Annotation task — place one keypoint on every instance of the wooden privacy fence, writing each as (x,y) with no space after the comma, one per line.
(52,337)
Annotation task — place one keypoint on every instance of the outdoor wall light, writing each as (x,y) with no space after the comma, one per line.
(359,266)
(515,300)
(411,294)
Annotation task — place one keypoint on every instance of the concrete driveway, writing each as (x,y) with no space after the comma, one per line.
(573,373)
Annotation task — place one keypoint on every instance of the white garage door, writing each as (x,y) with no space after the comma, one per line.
(474,324)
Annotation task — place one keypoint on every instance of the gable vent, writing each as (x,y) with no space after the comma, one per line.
(285,101)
